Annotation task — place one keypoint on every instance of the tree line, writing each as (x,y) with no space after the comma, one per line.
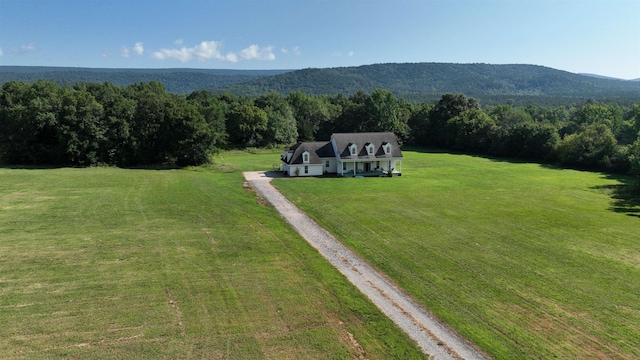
(143,124)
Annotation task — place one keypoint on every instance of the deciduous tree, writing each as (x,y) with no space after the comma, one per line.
(246,125)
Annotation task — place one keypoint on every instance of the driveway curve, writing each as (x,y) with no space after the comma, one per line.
(434,338)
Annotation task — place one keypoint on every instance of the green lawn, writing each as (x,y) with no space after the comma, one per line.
(527,261)
(112,263)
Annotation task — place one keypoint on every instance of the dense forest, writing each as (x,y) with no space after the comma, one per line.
(142,124)
(417,83)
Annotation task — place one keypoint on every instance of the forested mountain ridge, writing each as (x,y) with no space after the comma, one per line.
(178,81)
(422,81)
(416,82)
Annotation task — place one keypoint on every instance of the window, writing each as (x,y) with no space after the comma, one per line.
(306,169)
(387,149)
(354,149)
(370,149)
(305,157)
(344,166)
(327,164)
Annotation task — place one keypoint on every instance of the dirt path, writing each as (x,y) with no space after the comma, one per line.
(434,338)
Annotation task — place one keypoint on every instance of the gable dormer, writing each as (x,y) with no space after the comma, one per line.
(353,149)
(305,157)
(370,149)
(387,148)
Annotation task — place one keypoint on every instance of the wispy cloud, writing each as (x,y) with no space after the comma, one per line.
(212,50)
(295,51)
(339,54)
(23,49)
(27,48)
(137,49)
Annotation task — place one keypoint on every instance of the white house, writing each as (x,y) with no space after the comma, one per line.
(346,154)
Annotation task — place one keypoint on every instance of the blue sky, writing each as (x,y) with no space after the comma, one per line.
(592,36)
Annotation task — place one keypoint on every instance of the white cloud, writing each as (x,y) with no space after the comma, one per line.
(296,50)
(351,53)
(284,51)
(206,50)
(138,49)
(211,50)
(254,52)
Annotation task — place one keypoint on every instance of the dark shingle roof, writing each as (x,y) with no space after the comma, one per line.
(378,139)
(317,150)
(324,149)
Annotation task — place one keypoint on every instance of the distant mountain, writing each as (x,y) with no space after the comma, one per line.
(416,82)
(428,80)
(181,81)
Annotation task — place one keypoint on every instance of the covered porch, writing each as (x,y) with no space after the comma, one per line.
(370,168)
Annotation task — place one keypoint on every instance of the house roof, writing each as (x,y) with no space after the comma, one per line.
(378,139)
(317,150)
(323,149)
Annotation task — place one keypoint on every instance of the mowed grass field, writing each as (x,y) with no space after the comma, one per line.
(177,264)
(524,260)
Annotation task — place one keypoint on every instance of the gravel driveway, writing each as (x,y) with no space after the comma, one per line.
(435,339)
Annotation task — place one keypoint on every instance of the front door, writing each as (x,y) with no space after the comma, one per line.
(367,166)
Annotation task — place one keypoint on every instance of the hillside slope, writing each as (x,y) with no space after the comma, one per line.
(426,79)
(417,82)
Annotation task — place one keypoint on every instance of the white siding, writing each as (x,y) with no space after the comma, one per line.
(332,165)
(313,170)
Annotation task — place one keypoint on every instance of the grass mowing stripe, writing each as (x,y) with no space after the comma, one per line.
(527,261)
(111,263)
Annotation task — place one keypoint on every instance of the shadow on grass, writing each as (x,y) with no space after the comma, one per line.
(31,167)
(494,158)
(53,167)
(625,195)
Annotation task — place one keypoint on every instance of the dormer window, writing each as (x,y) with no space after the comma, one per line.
(305,157)
(354,149)
(370,149)
(387,149)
